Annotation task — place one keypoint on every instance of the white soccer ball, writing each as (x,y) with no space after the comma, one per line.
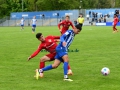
(105,71)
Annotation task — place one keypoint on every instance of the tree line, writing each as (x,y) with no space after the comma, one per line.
(8,6)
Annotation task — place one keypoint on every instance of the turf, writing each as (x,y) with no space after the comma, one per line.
(98,47)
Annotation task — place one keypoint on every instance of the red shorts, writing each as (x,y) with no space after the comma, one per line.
(51,56)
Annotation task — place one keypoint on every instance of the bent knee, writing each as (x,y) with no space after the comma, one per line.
(54,66)
(42,60)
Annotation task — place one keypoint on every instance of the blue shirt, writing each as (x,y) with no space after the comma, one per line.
(119,16)
(68,38)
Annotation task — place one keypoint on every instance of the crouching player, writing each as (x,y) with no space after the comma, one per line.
(48,43)
(62,54)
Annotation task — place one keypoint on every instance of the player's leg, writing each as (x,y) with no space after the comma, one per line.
(69,70)
(23,26)
(48,57)
(113,28)
(116,29)
(66,60)
(32,28)
(51,57)
(43,60)
(49,67)
(42,63)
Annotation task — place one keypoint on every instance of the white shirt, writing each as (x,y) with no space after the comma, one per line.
(34,21)
(22,21)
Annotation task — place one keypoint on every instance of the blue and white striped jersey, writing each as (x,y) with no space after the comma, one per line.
(22,21)
(68,38)
(34,21)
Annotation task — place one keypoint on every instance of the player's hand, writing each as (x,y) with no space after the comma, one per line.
(64,44)
(29,58)
(60,30)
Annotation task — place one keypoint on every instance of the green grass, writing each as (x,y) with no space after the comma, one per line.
(98,47)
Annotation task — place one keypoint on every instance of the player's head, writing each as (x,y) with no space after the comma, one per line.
(80,15)
(115,15)
(77,29)
(67,17)
(40,37)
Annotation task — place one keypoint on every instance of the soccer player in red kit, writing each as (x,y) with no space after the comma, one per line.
(115,23)
(65,25)
(48,43)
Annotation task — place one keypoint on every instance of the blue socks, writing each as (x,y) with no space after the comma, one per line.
(47,68)
(65,68)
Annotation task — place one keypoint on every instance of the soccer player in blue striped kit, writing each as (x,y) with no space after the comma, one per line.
(62,54)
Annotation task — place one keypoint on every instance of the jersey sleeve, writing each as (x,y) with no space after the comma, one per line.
(72,25)
(60,24)
(56,37)
(37,51)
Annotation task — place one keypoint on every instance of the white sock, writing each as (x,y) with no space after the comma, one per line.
(65,76)
(40,70)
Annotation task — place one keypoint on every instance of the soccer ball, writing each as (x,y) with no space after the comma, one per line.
(105,71)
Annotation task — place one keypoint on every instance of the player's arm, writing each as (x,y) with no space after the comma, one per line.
(59,26)
(35,53)
(36,21)
(83,20)
(31,21)
(72,25)
(62,38)
(78,20)
(56,38)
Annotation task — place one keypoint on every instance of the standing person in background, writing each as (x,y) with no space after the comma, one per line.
(34,22)
(115,21)
(22,21)
(80,20)
(65,25)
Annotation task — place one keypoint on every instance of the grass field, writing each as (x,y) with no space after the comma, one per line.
(98,47)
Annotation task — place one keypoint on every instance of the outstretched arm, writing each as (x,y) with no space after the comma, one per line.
(56,38)
(35,53)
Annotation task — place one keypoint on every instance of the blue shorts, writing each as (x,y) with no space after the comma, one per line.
(60,52)
(34,26)
(22,25)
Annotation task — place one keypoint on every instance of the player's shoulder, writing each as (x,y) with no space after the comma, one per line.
(69,31)
(70,21)
(40,45)
(63,21)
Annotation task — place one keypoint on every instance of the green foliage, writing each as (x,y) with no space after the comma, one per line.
(8,6)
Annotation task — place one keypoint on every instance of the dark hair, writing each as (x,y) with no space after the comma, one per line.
(38,35)
(78,26)
(116,15)
(67,16)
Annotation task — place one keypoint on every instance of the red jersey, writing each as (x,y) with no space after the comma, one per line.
(49,45)
(65,26)
(116,20)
